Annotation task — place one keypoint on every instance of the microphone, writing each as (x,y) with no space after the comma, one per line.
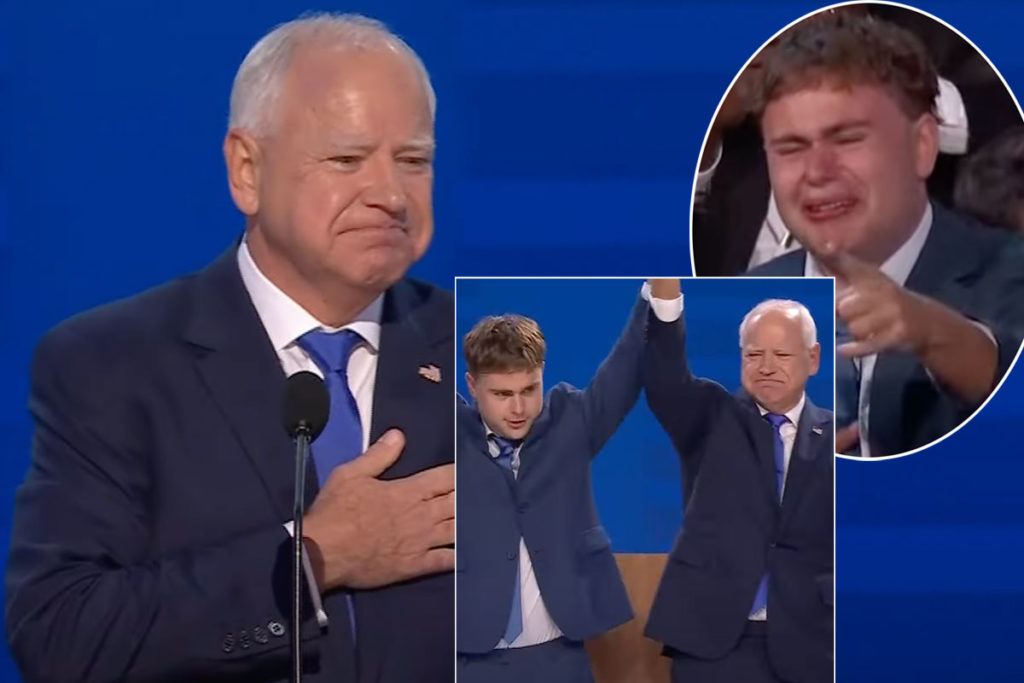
(306,405)
(305,412)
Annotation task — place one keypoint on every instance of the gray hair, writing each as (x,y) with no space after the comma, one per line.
(257,84)
(791,309)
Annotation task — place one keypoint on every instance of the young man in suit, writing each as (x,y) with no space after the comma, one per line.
(747,594)
(535,572)
(929,308)
(151,537)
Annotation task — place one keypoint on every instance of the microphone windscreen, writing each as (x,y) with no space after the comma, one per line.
(306,404)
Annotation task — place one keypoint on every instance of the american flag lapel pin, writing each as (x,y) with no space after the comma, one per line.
(431,373)
(816,430)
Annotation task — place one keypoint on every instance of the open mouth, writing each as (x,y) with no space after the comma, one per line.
(516,424)
(828,210)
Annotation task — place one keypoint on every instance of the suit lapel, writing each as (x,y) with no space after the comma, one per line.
(763,446)
(947,258)
(415,334)
(812,435)
(237,363)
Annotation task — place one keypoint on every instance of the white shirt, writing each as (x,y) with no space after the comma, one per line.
(669,310)
(897,268)
(538,626)
(285,321)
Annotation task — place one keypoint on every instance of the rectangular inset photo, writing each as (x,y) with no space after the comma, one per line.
(645,480)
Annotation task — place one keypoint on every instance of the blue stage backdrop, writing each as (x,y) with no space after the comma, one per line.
(636,475)
(568,137)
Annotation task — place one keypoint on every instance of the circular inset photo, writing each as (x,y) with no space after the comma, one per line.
(874,143)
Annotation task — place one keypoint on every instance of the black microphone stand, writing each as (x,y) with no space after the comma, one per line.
(302,439)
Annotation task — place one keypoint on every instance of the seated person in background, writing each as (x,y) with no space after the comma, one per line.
(990,185)
(930,312)
(535,572)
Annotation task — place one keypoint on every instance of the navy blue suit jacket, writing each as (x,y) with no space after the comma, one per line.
(148,541)
(734,529)
(976,270)
(550,506)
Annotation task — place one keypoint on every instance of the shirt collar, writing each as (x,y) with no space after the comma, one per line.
(285,320)
(898,266)
(777,226)
(488,432)
(793,414)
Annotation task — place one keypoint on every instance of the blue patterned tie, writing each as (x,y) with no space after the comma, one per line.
(777,420)
(847,381)
(506,449)
(342,438)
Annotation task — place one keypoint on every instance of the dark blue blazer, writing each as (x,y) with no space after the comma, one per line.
(550,506)
(148,543)
(976,270)
(733,526)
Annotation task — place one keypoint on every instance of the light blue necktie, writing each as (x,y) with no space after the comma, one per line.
(506,448)
(342,438)
(777,420)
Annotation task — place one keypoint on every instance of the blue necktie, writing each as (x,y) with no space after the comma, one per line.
(506,448)
(777,420)
(847,381)
(342,438)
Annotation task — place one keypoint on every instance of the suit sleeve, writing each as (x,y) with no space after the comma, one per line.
(88,598)
(681,403)
(615,387)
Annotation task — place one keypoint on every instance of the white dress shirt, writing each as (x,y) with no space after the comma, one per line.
(669,310)
(538,626)
(285,321)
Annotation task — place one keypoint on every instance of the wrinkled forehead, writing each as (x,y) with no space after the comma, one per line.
(855,85)
(511,380)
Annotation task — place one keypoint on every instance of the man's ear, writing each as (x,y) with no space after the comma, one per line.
(471,383)
(243,158)
(926,145)
(815,352)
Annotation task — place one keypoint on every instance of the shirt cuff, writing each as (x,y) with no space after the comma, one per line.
(314,590)
(666,310)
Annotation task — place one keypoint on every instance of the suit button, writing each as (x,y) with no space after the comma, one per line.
(510,555)
(276,628)
(772,544)
(243,639)
(228,644)
(523,506)
(259,634)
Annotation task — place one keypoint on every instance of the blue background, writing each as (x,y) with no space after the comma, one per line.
(569,134)
(636,475)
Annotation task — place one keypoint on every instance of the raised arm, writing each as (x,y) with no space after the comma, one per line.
(615,387)
(679,401)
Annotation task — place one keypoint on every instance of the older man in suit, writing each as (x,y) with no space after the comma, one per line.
(930,312)
(747,594)
(535,572)
(151,534)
